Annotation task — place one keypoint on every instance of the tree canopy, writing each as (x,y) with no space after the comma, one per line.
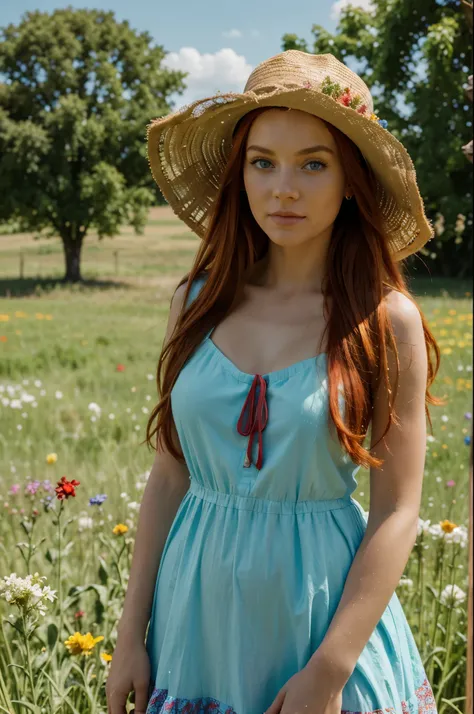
(418,52)
(78,89)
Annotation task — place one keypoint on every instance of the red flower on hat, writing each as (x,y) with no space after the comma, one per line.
(345,99)
(66,488)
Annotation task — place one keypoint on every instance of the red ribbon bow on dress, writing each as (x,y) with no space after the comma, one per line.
(257,419)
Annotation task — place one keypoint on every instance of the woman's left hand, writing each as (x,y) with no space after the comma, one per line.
(308,693)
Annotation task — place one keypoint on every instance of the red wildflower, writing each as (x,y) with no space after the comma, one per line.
(78,614)
(120,368)
(65,488)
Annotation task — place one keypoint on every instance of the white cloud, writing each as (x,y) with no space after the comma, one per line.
(231,34)
(224,70)
(339,4)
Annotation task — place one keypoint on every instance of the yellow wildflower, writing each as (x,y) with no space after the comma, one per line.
(4,318)
(106,657)
(120,529)
(39,316)
(78,644)
(20,313)
(447,526)
(446,351)
(48,317)
(51,458)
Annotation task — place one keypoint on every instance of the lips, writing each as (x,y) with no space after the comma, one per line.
(287,215)
(286,220)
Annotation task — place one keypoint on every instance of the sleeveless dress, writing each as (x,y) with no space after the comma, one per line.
(257,556)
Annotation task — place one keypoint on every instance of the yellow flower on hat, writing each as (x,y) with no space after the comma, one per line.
(78,644)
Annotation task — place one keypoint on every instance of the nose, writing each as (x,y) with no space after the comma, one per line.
(285,186)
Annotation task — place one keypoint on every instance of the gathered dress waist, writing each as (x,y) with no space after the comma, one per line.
(263,505)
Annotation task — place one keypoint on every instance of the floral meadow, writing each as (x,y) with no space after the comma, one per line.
(77,384)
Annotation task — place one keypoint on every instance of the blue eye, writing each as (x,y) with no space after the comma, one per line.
(321,163)
(255,161)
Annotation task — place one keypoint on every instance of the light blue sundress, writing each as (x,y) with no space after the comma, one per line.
(256,559)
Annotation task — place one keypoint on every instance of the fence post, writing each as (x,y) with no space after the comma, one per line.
(22,262)
(116,262)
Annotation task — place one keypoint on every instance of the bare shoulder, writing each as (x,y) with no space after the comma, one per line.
(404,315)
(408,331)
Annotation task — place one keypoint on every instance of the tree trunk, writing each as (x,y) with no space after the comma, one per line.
(72,257)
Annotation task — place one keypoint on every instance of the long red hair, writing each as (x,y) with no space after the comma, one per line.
(359,265)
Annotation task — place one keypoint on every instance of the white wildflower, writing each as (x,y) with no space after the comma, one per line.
(93,407)
(406,582)
(452,595)
(37,383)
(423,526)
(85,522)
(58,394)
(458,535)
(27,593)
(27,398)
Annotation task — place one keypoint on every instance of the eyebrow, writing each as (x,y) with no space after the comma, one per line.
(308,150)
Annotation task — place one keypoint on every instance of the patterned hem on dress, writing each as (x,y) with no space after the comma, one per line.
(422,702)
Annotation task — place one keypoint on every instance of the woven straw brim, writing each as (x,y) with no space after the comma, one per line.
(188,151)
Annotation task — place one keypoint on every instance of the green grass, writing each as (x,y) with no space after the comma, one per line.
(72,339)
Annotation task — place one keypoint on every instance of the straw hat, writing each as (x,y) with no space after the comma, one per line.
(188,149)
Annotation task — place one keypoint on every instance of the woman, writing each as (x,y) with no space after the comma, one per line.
(265,586)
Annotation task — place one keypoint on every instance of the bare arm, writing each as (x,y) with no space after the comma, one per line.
(166,487)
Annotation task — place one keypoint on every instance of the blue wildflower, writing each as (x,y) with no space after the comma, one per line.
(97,500)
(467,440)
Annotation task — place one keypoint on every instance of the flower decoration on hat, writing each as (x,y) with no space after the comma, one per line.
(344,96)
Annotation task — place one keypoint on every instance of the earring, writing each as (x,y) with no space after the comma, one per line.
(348,197)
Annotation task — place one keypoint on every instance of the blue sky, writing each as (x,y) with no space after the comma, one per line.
(219,42)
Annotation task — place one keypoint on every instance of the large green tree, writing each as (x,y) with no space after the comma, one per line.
(78,89)
(416,54)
